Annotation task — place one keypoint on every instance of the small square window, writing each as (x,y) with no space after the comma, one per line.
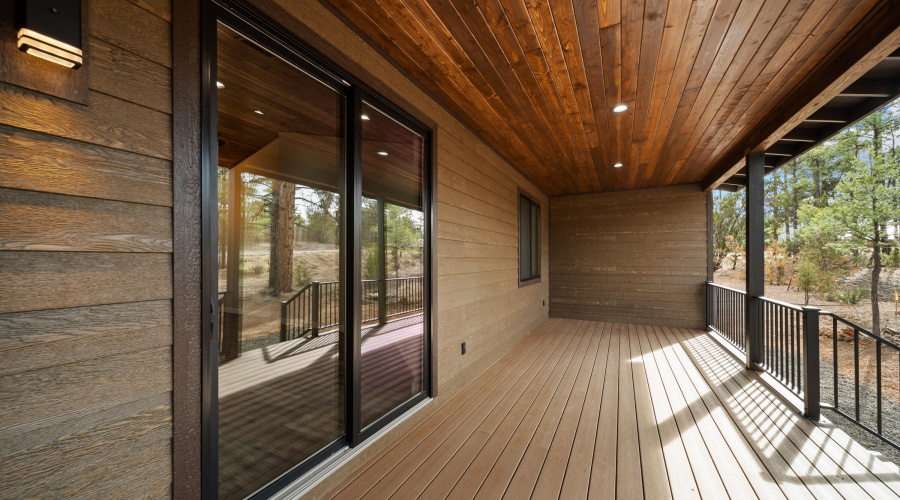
(529,239)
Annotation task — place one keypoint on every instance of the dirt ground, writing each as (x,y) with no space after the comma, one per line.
(861,313)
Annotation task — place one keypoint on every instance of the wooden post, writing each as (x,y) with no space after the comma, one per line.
(811,377)
(382,264)
(755,263)
(231,336)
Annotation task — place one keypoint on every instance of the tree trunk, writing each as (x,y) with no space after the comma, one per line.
(795,207)
(281,250)
(876,274)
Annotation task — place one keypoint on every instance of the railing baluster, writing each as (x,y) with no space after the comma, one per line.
(834,334)
(878,382)
(856,367)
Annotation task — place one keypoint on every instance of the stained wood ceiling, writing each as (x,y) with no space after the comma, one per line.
(276,121)
(538,78)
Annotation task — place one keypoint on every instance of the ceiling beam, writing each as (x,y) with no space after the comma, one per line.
(830,115)
(871,87)
(801,135)
(872,40)
(779,149)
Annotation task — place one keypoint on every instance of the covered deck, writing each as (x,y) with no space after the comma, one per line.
(583,409)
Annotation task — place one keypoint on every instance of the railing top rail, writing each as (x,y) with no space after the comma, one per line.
(300,292)
(405,278)
(725,287)
(860,329)
(780,303)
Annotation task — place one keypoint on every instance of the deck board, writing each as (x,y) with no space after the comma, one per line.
(583,409)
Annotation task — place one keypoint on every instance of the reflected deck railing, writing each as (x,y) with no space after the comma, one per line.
(315,307)
(790,347)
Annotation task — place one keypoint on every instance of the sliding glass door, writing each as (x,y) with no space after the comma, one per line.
(393,236)
(280,175)
(320,267)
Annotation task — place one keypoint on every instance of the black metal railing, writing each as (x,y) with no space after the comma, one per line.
(329,299)
(316,307)
(297,318)
(862,376)
(788,337)
(869,404)
(781,325)
(371,300)
(725,309)
(404,296)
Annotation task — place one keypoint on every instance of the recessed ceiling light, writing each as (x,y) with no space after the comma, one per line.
(364,117)
(619,108)
(617,165)
(220,85)
(383,153)
(257,111)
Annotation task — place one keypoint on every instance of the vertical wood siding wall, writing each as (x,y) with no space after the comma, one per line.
(630,256)
(86,270)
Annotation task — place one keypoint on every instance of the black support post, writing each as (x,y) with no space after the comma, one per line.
(755,263)
(811,378)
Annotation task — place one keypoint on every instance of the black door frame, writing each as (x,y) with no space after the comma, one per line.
(269,35)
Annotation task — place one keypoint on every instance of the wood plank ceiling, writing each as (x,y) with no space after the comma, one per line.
(538,79)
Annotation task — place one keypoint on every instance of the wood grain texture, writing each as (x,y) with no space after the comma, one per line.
(123,74)
(130,27)
(187,289)
(610,410)
(86,236)
(635,256)
(32,281)
(91,384)
(107,121)
(41,162)
(40,339)
(51,222)
(135,461)
(701,75)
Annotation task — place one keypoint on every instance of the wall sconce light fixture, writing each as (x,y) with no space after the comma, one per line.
(51,30)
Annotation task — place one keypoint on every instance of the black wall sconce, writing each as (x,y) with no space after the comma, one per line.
(51,30)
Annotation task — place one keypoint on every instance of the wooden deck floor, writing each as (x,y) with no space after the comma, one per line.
(282,403)
(602,410)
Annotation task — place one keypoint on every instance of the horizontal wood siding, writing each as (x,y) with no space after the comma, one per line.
(630,256)
(86,271)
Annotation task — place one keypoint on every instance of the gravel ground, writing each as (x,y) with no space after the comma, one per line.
(868,405)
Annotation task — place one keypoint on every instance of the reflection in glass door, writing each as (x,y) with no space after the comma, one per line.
(281,164)
(392,332)
(322,262)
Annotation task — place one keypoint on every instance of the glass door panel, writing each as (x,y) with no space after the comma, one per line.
(392,253)
(281,344)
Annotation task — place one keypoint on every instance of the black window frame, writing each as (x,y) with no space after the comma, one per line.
(526,251)
(269,35)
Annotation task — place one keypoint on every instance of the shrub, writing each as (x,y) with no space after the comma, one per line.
(301,273)
(779,264)
(807,276)
(370,266)
(851,297)
(893,259)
